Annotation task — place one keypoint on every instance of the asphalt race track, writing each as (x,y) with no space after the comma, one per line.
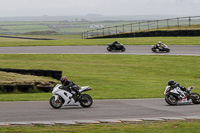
(35,111)
(130,49)
(101,110)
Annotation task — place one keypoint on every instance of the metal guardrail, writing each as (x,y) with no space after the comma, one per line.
(178,22)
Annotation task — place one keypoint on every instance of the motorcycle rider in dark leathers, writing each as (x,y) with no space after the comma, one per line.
(114,43)
(69,85)
(173,85)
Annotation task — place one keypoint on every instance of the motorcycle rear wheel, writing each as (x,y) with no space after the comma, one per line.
(197,100)
(55,104)
(171,100)
(86,100)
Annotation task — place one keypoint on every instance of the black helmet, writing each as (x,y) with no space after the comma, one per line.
(171,82)
(63,79)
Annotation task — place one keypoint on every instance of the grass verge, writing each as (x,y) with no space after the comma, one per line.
(189,126)
(8,42)
(110,76)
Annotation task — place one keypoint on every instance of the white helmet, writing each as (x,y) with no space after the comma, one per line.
(159,42)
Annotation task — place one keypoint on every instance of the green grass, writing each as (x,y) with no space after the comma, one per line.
(74,41)
(189,126)
(111,76)
(16,27)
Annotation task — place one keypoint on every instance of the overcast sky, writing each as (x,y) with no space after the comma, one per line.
(10,8)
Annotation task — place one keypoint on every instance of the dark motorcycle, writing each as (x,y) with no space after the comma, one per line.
(118,46)
(162,49)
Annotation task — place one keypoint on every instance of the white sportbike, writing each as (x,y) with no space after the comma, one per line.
(176,95)
(62,97)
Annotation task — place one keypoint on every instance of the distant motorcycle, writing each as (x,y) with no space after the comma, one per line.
(62,97)
(155,48)
(176,95)
(118,46)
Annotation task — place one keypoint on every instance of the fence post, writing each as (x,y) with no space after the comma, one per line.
(123,28)
(97,32)
(116,29)
(131,27)
(157,24)
(178,22)
(92,33)
(108,30)
(139,25)
(84,35)
(103,31)
(189,21)
(148,25)
(168,23)
(87,34)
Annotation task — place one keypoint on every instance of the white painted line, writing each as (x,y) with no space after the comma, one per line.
(87,122)
(42,123)
(65,122)
(173,118)
(110,121)
(19,123)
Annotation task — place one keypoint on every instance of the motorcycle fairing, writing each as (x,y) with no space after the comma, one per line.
(69,101)
(84,88)
(178,91)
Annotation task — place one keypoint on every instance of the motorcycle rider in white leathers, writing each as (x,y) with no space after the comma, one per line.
(161,45)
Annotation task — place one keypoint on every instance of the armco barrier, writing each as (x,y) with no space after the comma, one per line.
(38,72)
(48,73)
(155,34)
(190,33)
(57,75)
(124,30)
(163,33)
(197,33)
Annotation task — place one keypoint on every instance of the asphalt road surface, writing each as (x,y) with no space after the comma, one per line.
(102,109)
(30,111)
(130,49)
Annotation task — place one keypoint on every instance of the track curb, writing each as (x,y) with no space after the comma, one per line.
(100,121)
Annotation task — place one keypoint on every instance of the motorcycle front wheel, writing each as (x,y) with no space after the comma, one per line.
(86,100)
(167,50)
(55,104)
(171,100)
(109,49)
(123,49)
(197,99)
(153,49)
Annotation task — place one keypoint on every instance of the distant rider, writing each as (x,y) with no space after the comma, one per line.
(114,43)
(161,45)
(69,85)
(173,85)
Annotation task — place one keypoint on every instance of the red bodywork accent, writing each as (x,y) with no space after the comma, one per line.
(182,99)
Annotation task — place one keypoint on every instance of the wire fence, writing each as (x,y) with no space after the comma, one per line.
(179,22)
